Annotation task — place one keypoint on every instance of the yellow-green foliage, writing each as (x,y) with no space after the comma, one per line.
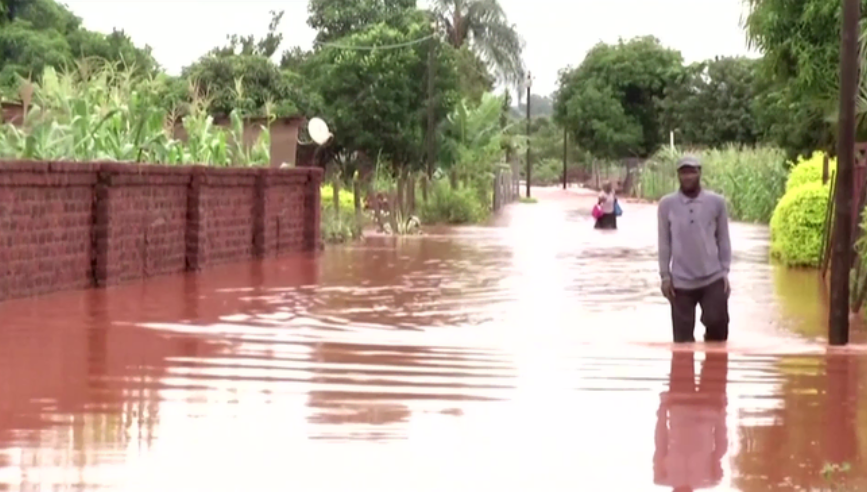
(343,226)
(798,224)
(347,201)
(809,170)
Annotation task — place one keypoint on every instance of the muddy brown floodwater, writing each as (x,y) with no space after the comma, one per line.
(531,354)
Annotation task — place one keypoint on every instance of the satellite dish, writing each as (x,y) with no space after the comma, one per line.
(318,130)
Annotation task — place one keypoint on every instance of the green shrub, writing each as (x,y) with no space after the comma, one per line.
(347,201)
(343,226)
(545,172)
(809,170)
(751,179)
(797,225)
(339,228)
(452,206)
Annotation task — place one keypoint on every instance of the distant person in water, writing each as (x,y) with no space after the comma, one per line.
(695,254)
(607,201)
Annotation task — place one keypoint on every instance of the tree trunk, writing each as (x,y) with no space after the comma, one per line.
(356,197)
(425,184)
(335,185)
(410,194)
(400,201)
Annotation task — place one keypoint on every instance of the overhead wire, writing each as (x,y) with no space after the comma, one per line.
(379,47)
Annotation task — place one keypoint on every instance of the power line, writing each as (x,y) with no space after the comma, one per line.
(380,47)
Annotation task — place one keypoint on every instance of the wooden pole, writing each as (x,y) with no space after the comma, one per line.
(431,112)
(841,263)
(825,166)
(565,154)
(529,169)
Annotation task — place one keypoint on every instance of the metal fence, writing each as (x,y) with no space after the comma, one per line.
(506,186)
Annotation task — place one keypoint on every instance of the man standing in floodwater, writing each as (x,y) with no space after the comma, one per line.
(695,254)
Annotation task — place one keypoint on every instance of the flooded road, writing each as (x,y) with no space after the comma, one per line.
(532,354)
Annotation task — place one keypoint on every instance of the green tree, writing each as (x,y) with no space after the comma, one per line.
(251,84)
(711,104)
(375,100)
(790,122)
(800,40)
(35,34)
(248,45)
(474,78)
(295,59)
(336,19)
(539,106)
(483,26)
(241,75)
(610,103)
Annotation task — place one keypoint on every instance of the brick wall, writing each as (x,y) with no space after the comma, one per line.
(77,225)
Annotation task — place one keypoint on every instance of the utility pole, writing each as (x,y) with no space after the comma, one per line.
(565,154)
(431,107)
(529,169)
(841,260)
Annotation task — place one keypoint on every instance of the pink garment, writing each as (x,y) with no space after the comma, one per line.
(597,211)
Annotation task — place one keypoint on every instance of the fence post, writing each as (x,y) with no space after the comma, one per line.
(100,228)
(195,234)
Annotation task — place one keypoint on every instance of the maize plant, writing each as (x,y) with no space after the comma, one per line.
(107,115)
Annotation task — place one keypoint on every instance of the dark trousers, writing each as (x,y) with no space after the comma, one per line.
(607,221)
(714,312)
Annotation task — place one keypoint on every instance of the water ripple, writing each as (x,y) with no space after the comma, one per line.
(504,357)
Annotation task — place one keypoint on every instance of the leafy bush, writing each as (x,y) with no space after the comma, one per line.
(545,172)
(751,179)
(809,170)
(798,224)
(452,206)
(343,226)
(339,228)
(345,197)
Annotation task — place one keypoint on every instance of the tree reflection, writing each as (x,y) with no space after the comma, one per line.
(815,425)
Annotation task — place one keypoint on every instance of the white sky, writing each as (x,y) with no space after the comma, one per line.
(557,32)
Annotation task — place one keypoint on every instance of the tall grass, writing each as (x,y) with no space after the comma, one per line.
(99,113)
(751,179)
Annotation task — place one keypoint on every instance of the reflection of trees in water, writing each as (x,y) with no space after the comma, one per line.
(816,424)
(411,282)
(691,436)
(803,299)
(102,396)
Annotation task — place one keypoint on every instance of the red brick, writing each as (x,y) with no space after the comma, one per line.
(67,225)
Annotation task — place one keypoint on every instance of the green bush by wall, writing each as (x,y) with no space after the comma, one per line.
(809,170)
(452,206)
(798,224)
(347,199)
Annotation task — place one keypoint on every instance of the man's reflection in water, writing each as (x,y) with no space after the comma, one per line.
(691,433)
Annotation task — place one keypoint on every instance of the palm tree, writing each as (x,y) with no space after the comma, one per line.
(483,26)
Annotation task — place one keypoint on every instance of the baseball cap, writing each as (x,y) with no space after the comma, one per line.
(688,162)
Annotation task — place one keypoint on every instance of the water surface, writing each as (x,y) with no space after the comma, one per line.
(531,354)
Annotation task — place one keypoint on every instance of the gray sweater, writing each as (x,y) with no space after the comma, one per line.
(694,245)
